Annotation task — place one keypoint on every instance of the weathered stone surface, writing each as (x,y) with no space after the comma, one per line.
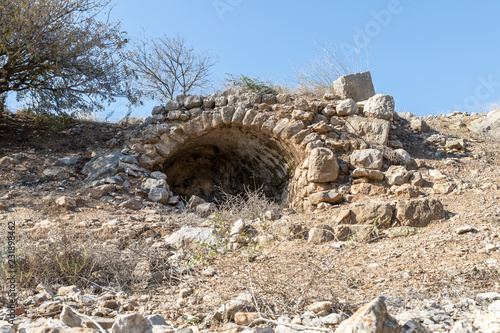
(372,213)
(193,101)
(321,234)
(372,317)
(250,98)
(209,102)
(205,209)
(419,212)
(280,126)
(347,107)
(488,322)
(66,202)
(367,158)
(358,87)
(238,116)
(321,127)
(174,115)
(131,323)
(102,165)
(442,187)
(292,129)
(189,235)
(54,172)
(149,183)
(368,173)
(397,175)
(101,190)
(244,318)
(227,113)
(419,125)
(131,204)
(372,130)
(488,125)
(228,310)
(69,317)
(67,161)
(158,195)
(380,106)
(172,105)
(323,166)
(325,196)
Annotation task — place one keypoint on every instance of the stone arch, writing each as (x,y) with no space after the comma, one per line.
(232,149)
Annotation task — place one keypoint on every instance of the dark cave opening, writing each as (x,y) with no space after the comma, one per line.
(229,161)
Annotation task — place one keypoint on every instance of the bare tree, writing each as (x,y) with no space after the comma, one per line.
(58,56)
(166,66)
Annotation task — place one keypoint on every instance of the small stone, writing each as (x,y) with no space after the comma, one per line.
(347,107)
(158,175)
(110,304)
(66,202)
(131,204)
(205,209)
(317,307)
(69,317)
(185,292)
(325,196)
(419,125)
(194,201)
(238,227)
(320,235)
(244,318)
(272,215)
(442,187)
(160,195)
(64,291)
(67,161)
(130,323)
(464,229)
(397,175)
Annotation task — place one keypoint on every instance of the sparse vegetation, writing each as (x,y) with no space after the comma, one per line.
(316,77)
(254,85)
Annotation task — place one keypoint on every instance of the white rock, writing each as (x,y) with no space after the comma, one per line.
(131,323)
(488,297)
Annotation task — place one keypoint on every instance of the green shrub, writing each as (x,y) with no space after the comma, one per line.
(253,85)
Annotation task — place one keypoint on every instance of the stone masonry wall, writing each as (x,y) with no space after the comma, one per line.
(303,151)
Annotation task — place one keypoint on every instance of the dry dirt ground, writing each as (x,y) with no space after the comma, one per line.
(408,265)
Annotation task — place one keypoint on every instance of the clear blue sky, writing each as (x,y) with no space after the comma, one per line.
(432,56)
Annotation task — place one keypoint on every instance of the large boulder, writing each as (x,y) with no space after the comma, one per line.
(373,130)
(419,212)
(102,165)
(367,158)
(323,166)
(380,106)
(488,125)
(358,87)
(372,213)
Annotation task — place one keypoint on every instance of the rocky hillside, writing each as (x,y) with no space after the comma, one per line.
(111,235)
